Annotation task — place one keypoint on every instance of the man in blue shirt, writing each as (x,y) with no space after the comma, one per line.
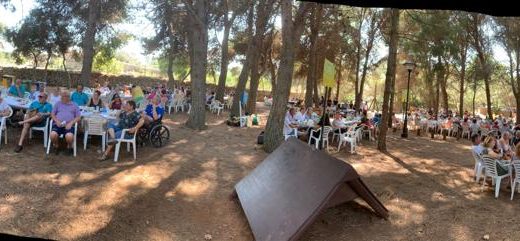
(78,97)
(36,116)
(154,111)
(17,90)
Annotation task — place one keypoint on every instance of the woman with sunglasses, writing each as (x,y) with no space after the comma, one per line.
(36,116)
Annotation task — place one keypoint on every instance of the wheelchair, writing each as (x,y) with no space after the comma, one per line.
(154,133)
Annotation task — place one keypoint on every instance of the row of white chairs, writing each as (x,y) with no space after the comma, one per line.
(487,167)
(94,127)
(352,136)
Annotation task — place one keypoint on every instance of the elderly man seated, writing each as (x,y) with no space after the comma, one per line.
(128,119)
(154,111)
(65,115)
(36,116)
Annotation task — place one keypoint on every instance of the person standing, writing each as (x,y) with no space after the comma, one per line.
(79,97)
(17,90)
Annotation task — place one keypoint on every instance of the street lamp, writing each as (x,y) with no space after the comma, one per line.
(409,65)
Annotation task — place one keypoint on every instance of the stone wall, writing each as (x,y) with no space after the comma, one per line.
(60,78)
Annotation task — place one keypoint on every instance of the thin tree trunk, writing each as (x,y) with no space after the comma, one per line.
(291,33)
(338,80)
(462,80)
(169,72)
(312,58)
(224,60)
(357,86)
(370,44)
(390,75)
(89,40)
(246,67)
(46,66)
(198,44)
(64,58)
(474,92)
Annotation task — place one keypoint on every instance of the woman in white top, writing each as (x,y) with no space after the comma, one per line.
(503,144)
(339,124)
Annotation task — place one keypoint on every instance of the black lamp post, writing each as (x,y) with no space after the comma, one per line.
(409,65)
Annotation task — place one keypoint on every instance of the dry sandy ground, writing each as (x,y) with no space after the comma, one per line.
(181,192)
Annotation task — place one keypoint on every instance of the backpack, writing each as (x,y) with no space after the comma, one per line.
(260,138)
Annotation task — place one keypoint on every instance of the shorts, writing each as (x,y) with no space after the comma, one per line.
(118,131)
(62,130)
(41,123)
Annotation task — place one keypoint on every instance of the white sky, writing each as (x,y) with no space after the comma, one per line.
(141,27)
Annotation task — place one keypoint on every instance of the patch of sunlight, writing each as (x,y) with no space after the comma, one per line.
(201,185)
(6,212)
(461,233)
(217,123)
(43,177)
(438,197)
(87,176)
(404,213)
(158,234)
(96,210)
(245,159)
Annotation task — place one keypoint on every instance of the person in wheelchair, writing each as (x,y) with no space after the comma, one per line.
(128,119)
(154,111)
(37,116)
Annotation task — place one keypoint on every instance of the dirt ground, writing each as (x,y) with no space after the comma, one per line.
(181,192)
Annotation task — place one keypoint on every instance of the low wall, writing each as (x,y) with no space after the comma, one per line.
(60,78)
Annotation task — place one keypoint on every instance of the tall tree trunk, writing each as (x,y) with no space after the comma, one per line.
(246,67)
(437,97)
(224,60)
(265,9)
(443,85)
(390,75)
(370,44)
(474,92)
(339,76)
(64,59)
(320,61)
(198,44)
(89,40)
(359,48)
(462,80)
(291,33)
(49,55)
(312,58)
(169,71)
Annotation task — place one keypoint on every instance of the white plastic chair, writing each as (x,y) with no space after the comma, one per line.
(243,119)
(466,132)
(44,129)
(217,107)
(317,140)
(516,166)
(171,104)
(3,125)
(479,166)
(95,127)
(350,137)
(294,133)
(128,142)
(491,171)
(74,145)
(179,105)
